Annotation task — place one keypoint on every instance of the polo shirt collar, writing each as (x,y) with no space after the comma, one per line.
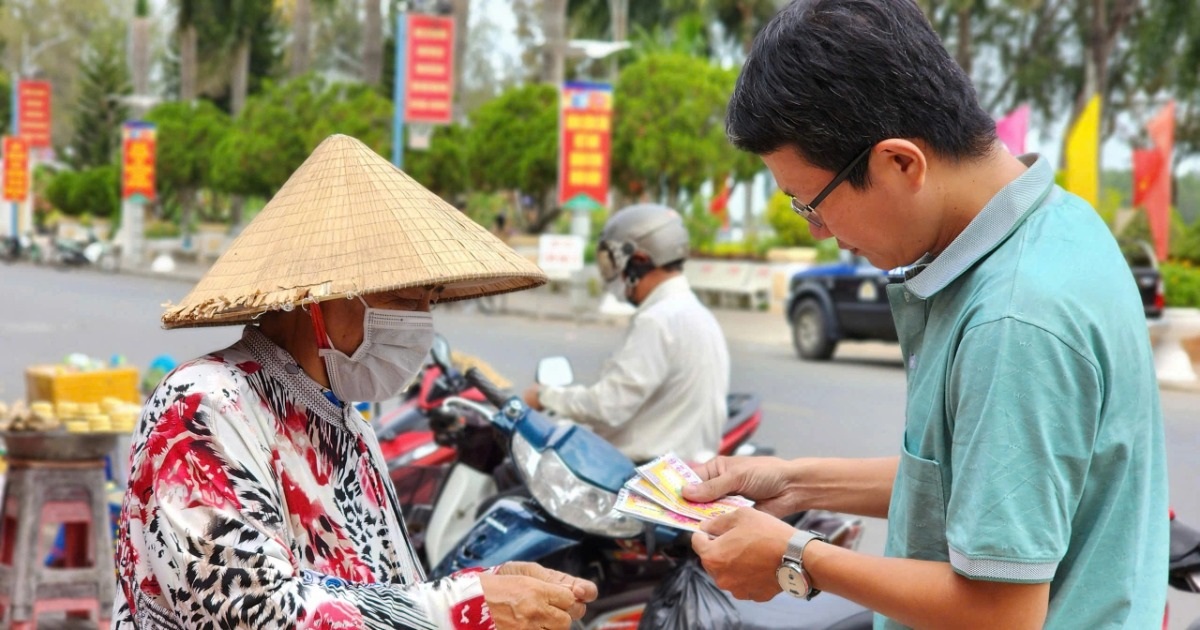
(994,223)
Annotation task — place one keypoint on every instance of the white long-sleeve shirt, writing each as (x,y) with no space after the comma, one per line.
(665,389)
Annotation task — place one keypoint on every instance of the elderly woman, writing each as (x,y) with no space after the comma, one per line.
(258,497)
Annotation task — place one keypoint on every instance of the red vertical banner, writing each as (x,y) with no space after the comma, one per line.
(585,142)
(138,146)
(33,112)
(1157,200)
(429,82)
(16,168)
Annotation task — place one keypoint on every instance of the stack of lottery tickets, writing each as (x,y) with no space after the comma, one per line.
(655,494)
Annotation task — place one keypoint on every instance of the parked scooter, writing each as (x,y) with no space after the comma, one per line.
(443,464)
(568,523)
(420,444)
(1183,571)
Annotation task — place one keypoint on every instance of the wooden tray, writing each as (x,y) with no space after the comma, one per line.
(59,445)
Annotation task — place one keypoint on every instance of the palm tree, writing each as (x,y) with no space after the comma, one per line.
(301,36)
(139,48)
(185,29)
(554,28)
(372,51)
(242,19)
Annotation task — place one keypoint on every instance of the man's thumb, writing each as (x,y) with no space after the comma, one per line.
(707,491)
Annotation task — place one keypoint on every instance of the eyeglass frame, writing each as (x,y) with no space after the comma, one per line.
(808,210)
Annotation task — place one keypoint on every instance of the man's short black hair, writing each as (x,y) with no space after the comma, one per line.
(832,77)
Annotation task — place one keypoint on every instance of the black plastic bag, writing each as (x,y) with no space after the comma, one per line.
(689,599)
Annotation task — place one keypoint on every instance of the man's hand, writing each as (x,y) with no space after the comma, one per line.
(762,479)
(524,595)
(741,551)
(533,397)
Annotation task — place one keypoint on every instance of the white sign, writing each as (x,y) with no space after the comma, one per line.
(560,255)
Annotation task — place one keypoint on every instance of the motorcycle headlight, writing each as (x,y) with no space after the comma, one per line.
(574,502)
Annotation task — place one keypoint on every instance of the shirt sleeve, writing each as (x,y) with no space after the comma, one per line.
(1025,408)
(627,379)
(216,548)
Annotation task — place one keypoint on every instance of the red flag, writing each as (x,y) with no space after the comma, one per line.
(1147,163)
(1152,186)
(720,201)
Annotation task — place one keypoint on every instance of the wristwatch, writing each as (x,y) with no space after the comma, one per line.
(792,577)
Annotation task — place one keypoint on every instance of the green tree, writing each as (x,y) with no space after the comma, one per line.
(187,136)
(513,145)
(444,168)
(280,127)
(669,126)
(99,111)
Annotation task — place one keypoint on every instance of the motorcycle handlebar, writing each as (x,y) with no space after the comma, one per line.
(493,394)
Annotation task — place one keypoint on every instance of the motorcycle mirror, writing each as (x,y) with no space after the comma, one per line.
(440,352)
(555,372)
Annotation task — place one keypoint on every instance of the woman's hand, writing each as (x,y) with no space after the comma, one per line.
(526,595)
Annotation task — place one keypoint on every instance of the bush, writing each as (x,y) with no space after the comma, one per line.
(58,191)
(161,229)
(1182,282)
(95,192)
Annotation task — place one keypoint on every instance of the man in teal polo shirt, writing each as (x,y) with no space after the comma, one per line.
(1030,490)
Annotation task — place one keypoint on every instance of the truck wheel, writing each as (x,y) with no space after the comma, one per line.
(810,331)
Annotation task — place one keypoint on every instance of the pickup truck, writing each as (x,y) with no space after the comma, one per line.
(847,300)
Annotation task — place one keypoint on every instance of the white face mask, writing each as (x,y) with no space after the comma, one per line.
(392,351)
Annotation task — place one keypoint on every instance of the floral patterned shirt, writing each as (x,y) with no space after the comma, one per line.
(256,502)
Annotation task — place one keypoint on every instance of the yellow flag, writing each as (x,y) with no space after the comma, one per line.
(1083,154)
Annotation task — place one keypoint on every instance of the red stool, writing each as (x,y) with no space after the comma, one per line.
(41,495)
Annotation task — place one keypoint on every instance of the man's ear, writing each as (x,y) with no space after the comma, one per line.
(640,259)
(902,160)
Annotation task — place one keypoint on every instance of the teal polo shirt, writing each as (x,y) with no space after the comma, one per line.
(1033,444)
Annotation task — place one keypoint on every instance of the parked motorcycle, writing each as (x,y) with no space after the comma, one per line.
(22,247)
(445,466)
(420,444)
(568,523)
(1183,571)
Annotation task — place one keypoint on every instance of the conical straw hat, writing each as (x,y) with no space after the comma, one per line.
(346,223)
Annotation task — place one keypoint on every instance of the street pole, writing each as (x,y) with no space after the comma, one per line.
(398,88)
(12,131)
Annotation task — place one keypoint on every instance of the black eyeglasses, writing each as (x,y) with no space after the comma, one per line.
(808,210)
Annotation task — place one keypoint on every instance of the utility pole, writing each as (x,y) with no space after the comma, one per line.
(398,86)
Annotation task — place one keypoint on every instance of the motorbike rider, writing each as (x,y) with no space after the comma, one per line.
(664,390)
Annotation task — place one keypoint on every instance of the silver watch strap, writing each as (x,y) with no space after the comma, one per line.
(796,544)
(795,554)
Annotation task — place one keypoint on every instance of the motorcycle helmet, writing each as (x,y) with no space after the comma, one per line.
(653,230)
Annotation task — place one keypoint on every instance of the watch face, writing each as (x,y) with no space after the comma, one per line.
(791,580)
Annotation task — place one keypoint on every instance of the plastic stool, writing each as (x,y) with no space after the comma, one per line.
(45,493)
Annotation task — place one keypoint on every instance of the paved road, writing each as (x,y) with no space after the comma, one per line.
(852,406)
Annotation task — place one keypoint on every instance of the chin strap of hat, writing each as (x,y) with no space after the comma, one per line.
(318,324)
(635,270)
